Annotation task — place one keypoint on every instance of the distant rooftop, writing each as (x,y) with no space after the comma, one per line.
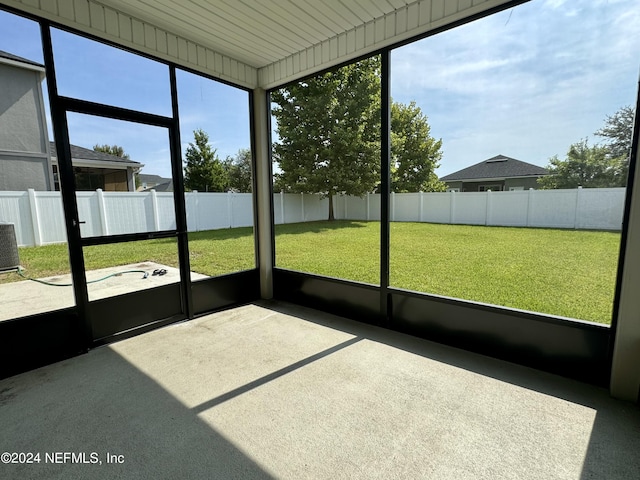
(91,155)
(16,58)
(499,166)
(150,178)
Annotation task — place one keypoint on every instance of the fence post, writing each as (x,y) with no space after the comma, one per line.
(35,220)
(487,210)
(154,209)
(194,220)
(302,205)
(368,216)
(421,208)
(282,206)
(229,209)
(529,206)
(452,207)
(393,206)
(102,208)
(345,199)
(576,216)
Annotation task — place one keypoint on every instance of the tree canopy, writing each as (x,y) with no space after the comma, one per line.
(617,131)
(329,136)
(239,171)
(585,166)
(328,132)
(415,154)
(115,150)
(203,170)
(598,166)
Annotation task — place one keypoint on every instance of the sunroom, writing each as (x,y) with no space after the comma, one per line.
(216,297)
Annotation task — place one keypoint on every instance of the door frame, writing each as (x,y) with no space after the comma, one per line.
(94,327)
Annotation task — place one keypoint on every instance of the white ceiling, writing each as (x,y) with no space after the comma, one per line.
(256,42)
(258,32)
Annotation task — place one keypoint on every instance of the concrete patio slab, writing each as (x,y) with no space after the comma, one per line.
(272,390)
(29,298)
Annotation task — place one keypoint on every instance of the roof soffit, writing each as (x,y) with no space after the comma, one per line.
(253,43)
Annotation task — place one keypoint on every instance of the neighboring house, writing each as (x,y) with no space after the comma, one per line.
(154,182)
(95,170)
(496,174)
(25,161)
(27,158)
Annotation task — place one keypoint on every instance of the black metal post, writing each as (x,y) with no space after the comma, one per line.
(385,184)
(179,200)
(68,189)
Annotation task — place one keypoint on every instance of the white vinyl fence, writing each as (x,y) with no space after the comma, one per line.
(39,220)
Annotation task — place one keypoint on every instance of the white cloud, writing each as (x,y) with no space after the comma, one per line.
(525,83)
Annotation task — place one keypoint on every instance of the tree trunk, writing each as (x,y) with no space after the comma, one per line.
(331,217)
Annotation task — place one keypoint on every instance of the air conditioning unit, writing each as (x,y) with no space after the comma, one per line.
(9,259)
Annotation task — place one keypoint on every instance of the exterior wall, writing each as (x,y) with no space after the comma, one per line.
(457,185)
(526,183)
(24,140)
(21,128)
(474,186)
(22,172)
(116,182)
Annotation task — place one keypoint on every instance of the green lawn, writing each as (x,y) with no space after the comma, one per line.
(214,252)
(561,272)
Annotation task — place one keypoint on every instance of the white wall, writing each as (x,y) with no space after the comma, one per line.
(39,220)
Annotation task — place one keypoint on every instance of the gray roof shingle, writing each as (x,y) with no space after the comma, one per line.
(499,166)
(162,187)
(86,154)
(150,178)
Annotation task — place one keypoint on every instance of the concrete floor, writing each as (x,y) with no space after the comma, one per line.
(27,297)
(271,390)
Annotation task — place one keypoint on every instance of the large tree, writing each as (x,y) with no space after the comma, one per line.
(115,150)
(415,154)
(239,171)
(585,166)
(203,170)
(328,131)
(617,131)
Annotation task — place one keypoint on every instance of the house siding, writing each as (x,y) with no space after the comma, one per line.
(18,173)
(457,185)
(526,183)
(24,141)
(474,186)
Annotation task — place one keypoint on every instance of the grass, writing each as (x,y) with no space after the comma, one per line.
(559,272)
(214,252)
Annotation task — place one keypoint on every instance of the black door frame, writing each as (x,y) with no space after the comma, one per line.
(94,327)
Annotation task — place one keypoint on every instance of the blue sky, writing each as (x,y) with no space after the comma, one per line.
(526,83)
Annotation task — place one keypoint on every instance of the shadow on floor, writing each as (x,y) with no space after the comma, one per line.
(615,438)
(313,393)
(101,404)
